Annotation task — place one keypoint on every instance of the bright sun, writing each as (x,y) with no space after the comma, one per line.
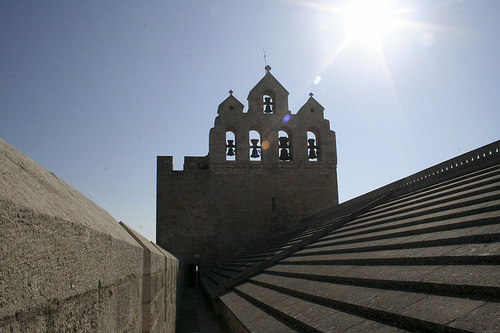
(369,21)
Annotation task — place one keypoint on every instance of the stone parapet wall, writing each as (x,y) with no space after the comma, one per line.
(67,265)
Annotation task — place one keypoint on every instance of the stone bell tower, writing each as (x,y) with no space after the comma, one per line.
(265,171)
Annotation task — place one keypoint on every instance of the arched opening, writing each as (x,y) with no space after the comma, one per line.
(284,146)
(255,148)
(312,146)
(230,146)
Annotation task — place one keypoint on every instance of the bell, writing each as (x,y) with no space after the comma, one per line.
(283,142)
(255,148)
(268,103)
(255,153)
(312,149)
(284,155)
(230,147)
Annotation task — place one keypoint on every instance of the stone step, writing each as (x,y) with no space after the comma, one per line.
(244,316)
(272,247)
(474,204)
(308,316)
(470,281)
(425,261)
(413,309)
(215,277)
(263,252)
(283,239)
(479,214)
(275,246)
(467,226)
(404,250)
(466,237)
(234,267)
(225,272)
(400,261)
(438,200)
(399,205)
(283,242)
(209,286)
(486,192)
(249,260)
(219,276)
(452,255)
(450,187)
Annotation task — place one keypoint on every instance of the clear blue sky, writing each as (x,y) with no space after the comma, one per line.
(95,90)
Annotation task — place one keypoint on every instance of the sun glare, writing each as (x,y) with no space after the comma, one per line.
(369,21)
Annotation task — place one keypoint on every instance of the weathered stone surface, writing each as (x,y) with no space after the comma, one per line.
(313,315)
(67,265)
(485,318)
(374,327)
(153,287)
(445,309)
(26,184)
(477,275)
(250,318)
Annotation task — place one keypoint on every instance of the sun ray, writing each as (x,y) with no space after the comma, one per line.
(386,73)
(369,21)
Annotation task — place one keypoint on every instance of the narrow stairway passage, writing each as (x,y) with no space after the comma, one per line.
(195,314)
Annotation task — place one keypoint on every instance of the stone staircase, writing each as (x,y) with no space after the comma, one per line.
(424,261)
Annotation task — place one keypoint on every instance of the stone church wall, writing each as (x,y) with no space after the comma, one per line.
(67,265)
(275,169)
(216,214)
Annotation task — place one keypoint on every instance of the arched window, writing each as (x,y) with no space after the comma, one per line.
(230,146)
(312,146)
(284,146)
(268,104)
(255,148)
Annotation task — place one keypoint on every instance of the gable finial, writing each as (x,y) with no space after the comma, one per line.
(267,68)
(311,94)
(231,92)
